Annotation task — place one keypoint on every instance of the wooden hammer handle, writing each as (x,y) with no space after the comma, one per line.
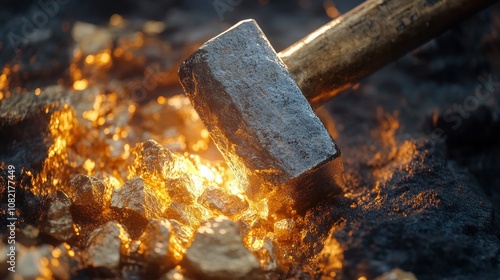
(340,53)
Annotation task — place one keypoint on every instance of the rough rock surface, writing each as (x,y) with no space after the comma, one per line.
(155,243)
(186,214)
(105,246)
(89,195)
(218,253)
(25,126)
(137,196)
(181,239)
(59,222)
(222,201)
(156,162)
(179,189)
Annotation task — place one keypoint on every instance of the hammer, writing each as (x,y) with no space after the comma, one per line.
(258,105)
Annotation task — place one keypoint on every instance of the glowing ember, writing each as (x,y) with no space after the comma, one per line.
(4,81)
(80,84)
(97,138)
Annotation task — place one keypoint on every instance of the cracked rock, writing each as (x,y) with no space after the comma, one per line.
(181,238)
(59,222)
(186,214)
(217,252)
(179,189)
(157,162)
(89,195)
(225,203)
(269,255)
(155,243)
(105,246)
(137,196)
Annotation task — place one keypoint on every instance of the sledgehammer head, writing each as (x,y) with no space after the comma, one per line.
(260,121)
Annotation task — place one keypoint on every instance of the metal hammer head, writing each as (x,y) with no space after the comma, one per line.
(260,121)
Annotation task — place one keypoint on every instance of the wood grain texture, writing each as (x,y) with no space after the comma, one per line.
(340,53)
